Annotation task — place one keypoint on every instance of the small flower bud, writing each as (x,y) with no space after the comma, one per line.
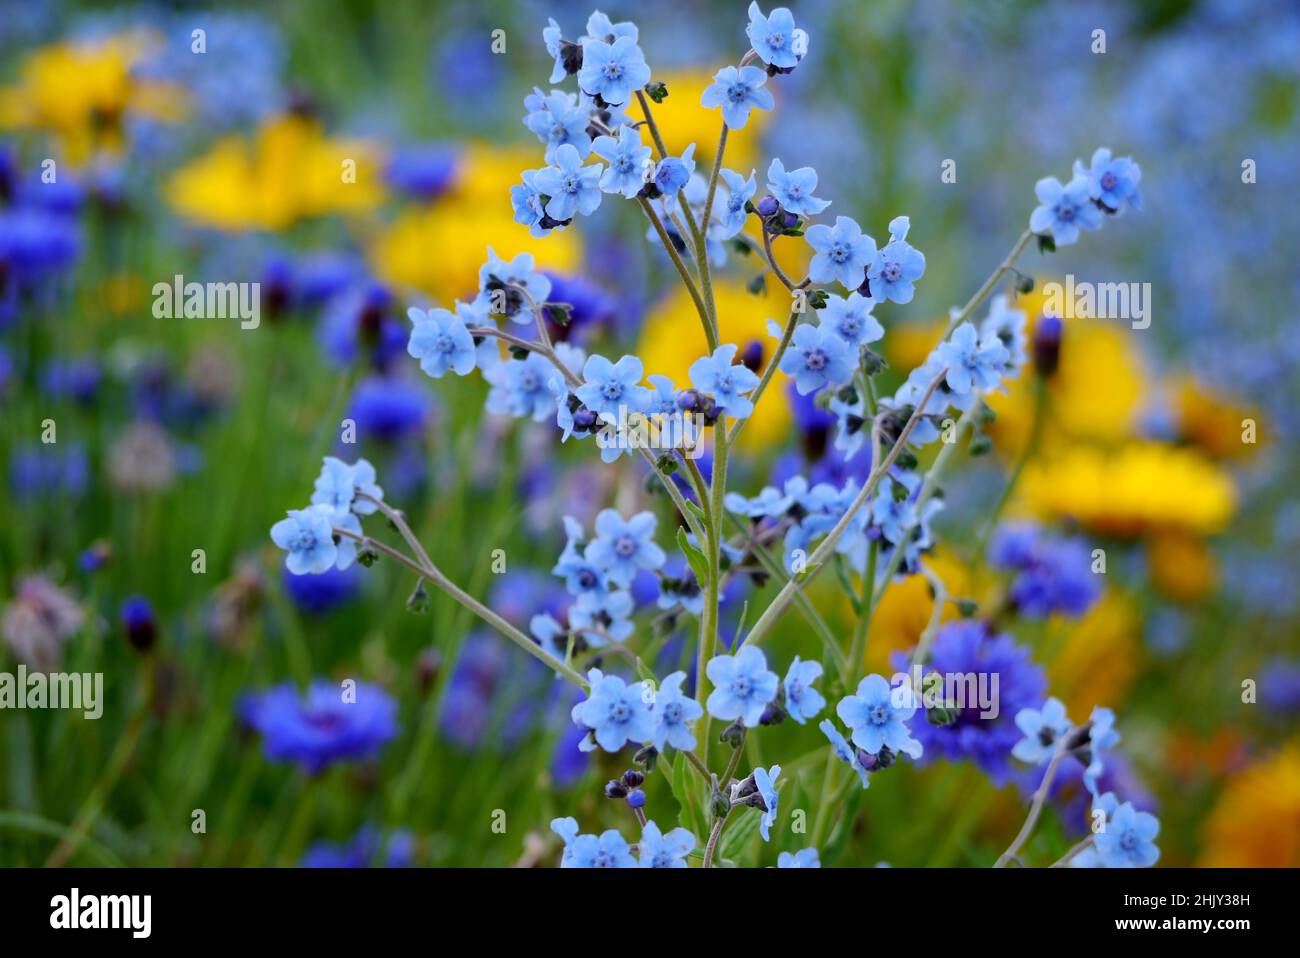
(633,778)
(767,206)
(1046,346)
(636,798)
(733,734)
(615,789)
(647,758)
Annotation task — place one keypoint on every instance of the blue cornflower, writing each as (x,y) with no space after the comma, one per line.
(775,38)
(610,850)
(558,119)
(727,384)
(1053,575)
(1127,840)
(971,363)
(802,701)
(1065,209)
(1112,182)
(815,357)
(622,546)
(318,594)
(1043,728)
(896,267)
(529,206)
(844,751)
(327,724)
(499,275)
(804,858)
(615,712)
(674,713)
(519,388)
(1007,325)
(765,781)
(339,483)
(794,191)
(612,71)
(440,341)
(738,91)
(628,161)
(658,850)
(572,187)
(878,716)
(609,388)
(363,850)
(389,407)
(842,252)
(308,536)
(672,174)
(732,214)
(851,320)
(743,686)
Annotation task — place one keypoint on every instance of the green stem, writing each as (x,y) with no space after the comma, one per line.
(973,303)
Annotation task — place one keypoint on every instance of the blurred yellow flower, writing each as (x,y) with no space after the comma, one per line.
(1181,565)
(907,344)
(439,248)
(1096,661)
(1256,822)
(1215,423)
(673,338)
(289,172)
(1140,487)
(683,121)
(906,606)
(81,93)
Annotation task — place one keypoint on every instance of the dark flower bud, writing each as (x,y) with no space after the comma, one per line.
(1046,345)
(584,419)
(767,206)
(367,555)
(981,445)
(418,600)
(721,804)
(940,716)
(733,734)
(647,758)
(657,91)
(139,623)
(615,789)
(636,798)
(633,778)
(873,362)
(772,715)
(752,356)
(865,288)
(427,667)
(688,399)
(570,57)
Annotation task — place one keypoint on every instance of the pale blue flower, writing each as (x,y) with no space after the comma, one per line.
(794,190)
(622,546)
(339,483)
(815,357)
(743,686)
(895,269)
(674,714)
(600,27)
(765,780)
(628,160)
(609,387)
(604,615)
(728,384)
(610,850)
(557,119)
(672,174)
(804,858)
(572,186)
(658,850)
(737,91)
(802,701)
(769,502)
(972,363)
(519,388)
(1101,736)
(841,252)
(1042,728)
(1127,840)
(1065,209)
(529,207)
(307,535)
(1112,182)
(614,71)
(440,341)
(615,712)
(851,320)
(878,716)
(553,38)
(844,751)
(1007,326)
(775,38)
(732,214)
(518,272)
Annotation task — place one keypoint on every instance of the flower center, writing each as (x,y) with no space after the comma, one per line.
(776,39)
(625,546)
(839,253)
(892,272)
(1108,181)
(815,360)
(878,715)
(444,344)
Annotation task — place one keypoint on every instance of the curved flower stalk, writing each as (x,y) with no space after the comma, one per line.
(595,151)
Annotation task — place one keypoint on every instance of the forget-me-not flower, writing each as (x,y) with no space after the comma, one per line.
(794,190)
(497,276)
(674,713)
(440,341)
(557,119)
(1127,840)
(622,546)
(815,357)
(775,38)
(732,214)
(802,701)
(615,712)
(672,174)
(529,206)
(608,387)
(307,535)
(844,751)
(572,186)
(804,858)
(765,780)
(1043,728)
(612,71)
(658,850)
(520,388)
(743,686)
(627,157)
(850,319)
(609,850)
(971,363)
(896,267)
(841,252)
(339,483)
(737,91)
(1065,209)
(1112,182)
(1007,325)
(878,716)
(728,384)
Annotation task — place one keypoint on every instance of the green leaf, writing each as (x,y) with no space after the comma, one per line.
(740,831)
(699,565)
(695,510)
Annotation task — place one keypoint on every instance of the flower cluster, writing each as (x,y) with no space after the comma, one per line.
(325,535)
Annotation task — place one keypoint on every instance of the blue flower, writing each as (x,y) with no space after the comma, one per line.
(674,713)
(1101,736)
(558,119)
(584,580)
(804,858)
(815,357)
(440,341)
(851,320)
(802,701)
(971,363)
(553,38)
(1053,575)
(743,686)
(1043,728)
(622,546)
(339,484)
(423,172)
(610,850)
(609,387)
(614,71)
(770,502)
(497,275)
(330,723)
(308,536)
(615,712)
(1127,840)
(529,205)
(878,716)
(658,850)
(727,384)
(844,751)
(897,266)
(842,252)
(738,91)
(765,781)
(672,174)
(1112,182)
(363,851)
(519,388)
(1007,325)
(775,38)
(318,594)
(628,161)
(572,187)
(732,214)
(794,191)
(388,407)
(601,616)
(600,27)
(1065,209)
